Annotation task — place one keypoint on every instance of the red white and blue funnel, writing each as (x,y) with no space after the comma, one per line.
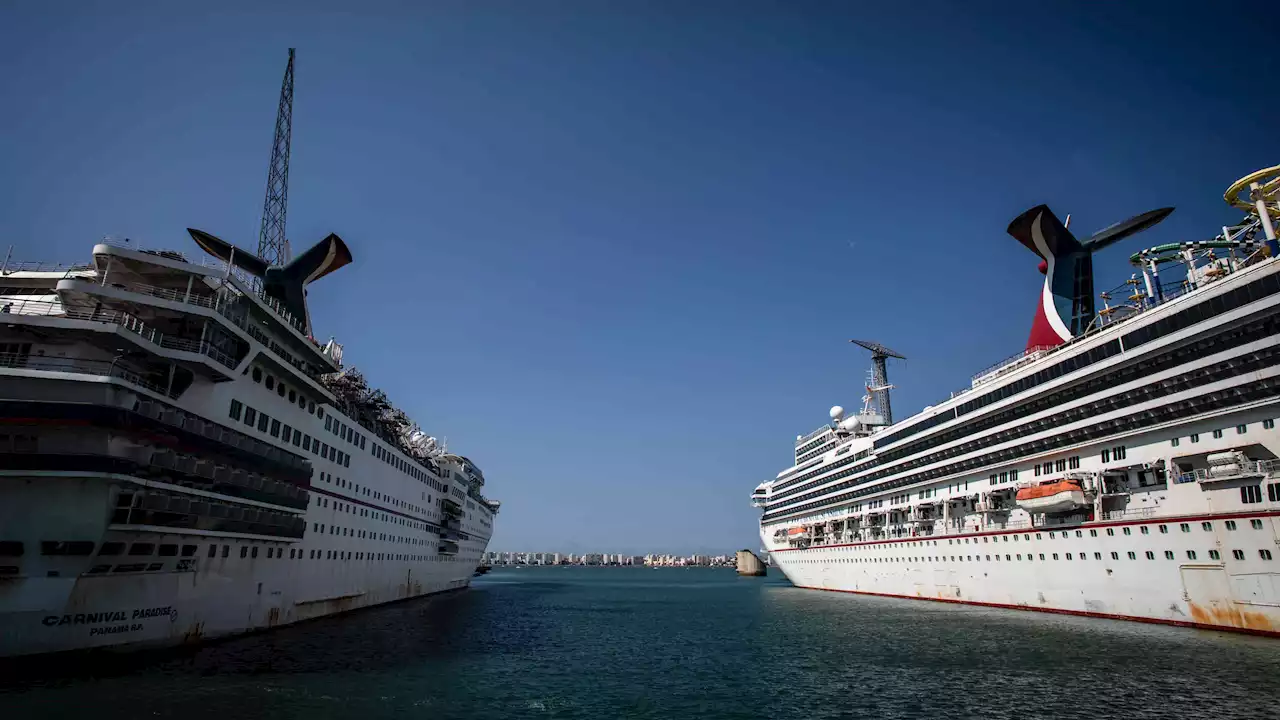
(1066,305)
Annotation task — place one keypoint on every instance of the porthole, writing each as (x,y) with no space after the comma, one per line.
(271,383)
(293,396)
(257,374)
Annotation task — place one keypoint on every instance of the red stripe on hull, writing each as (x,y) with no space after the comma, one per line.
(1062,611)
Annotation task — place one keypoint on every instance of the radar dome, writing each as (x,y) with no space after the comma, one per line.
(849,424)
(837,412)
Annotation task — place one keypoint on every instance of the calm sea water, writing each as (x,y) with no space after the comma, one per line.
(606,643)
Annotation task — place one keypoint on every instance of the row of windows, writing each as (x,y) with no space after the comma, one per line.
(1268,424)
(1251,494)
(1206,526)
(1263,553)
(294,396)
(1258,390)
(375,514)
(1113,453)
(15,548)
(1230,338)
(370,493)
(344,431)
(1004,477)
(253,417)
(411,469)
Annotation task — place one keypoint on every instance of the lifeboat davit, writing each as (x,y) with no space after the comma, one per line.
(1051,497)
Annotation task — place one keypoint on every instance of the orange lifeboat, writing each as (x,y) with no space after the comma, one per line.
(1051,497)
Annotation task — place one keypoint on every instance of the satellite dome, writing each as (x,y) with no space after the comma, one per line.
(837,412)
(849,424)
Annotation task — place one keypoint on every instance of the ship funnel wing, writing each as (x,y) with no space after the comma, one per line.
(321,259)
(229,253)
(1043,233)
(1121,230)
(288,284)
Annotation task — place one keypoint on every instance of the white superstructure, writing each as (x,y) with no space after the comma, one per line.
(180,460)
(1124,466)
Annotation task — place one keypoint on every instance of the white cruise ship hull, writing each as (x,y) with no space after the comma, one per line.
(1233,595)
(169,609)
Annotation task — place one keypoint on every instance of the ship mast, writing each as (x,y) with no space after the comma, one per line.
(272,246)
(880,376)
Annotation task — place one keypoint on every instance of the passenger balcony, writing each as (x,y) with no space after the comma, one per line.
(448,547)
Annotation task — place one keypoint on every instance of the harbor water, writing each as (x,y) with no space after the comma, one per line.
(599,643)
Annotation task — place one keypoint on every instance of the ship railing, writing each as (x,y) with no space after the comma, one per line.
(41,266)
(1010,363)
(812,435)
(101,368)
(1249,468)
(170,294)
(1129,514)
(45,308)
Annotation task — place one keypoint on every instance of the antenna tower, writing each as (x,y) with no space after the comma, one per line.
(272,246)
(880,376)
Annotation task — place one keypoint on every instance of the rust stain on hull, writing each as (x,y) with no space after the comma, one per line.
(1231,616)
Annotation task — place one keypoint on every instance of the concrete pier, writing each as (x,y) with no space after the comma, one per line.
(750,565)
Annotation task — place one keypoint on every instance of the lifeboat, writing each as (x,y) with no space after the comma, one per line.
(1051,497)
(798,533)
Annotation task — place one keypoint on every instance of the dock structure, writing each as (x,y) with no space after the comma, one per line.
(750,565)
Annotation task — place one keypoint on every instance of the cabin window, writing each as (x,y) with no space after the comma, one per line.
(1206,526)
(1237,554)
(1250,494)
(250,416)
(1231,524)
(1093,533)
(168,550)
(280,389)
(236,408)
(1195,437)
(257,375)
(1273,492)
(1191,554)
(1068,556)
(1255,524)
(1127,531)
(1164,528)
(1097,556)
(254,551)
(1214,555)
(213,551)
(271,383)
(141,549)
(1145,530)
(263,422)
(1168,554)
(1111,531)
(1264,554)
(1106,456)
(275,428)
(1115,556)
(226,550)
(1268,424)
(1133,556)
(1242,429)
(1217,434)
(1151,555)
(1174,442)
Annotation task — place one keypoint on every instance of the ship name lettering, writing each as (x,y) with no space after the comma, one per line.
(96,618)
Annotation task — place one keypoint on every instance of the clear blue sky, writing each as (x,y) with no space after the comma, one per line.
(614,251)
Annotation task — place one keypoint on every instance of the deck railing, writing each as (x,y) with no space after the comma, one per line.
(101,368)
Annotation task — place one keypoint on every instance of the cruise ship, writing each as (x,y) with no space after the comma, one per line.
(180,459)
(1124,465)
